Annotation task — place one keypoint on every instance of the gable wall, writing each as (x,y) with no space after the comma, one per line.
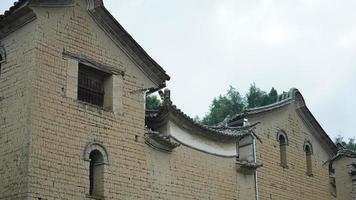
(15,92)
(62,126)
(276,182)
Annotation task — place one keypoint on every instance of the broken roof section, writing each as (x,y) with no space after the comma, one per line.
(285,99)
(21,14)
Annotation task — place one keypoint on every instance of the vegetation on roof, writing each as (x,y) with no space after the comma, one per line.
(351,144)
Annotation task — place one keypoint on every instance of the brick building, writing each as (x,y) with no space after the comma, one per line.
(343,174)
(73,123)
(294,150)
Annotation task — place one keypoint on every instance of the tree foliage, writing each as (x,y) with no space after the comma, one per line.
(153,102)
(233,103)
(351,144)
(225,105)
(256,97)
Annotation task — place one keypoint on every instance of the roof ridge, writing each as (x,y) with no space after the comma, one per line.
(283,99)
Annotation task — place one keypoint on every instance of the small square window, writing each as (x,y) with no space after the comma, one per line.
(91,85)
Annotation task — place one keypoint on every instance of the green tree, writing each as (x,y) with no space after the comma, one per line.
(225,105)
(233,103)
(273,96)
(153,102)
(256,97)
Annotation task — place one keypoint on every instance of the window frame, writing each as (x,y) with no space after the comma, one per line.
(2,58)
(91,85)
(308,150)
(89,149)
(282,148)
(114,83)
(96,174)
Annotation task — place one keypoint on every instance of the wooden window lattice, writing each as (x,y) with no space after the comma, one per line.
(91,85)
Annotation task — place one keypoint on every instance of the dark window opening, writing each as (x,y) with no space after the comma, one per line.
(283,150)
(282,140)
(91,85)
(308,154)
(1,61)
(96,174)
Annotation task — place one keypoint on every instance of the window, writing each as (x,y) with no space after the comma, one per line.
(2,57)
(308,155)
(283,142)
(96,174)
(91,85)
(94,83)
(97,157)
(1,60)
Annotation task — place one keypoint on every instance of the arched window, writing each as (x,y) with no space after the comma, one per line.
(96,154)
(96,174)
(283,142)
(2,57)
(308,155)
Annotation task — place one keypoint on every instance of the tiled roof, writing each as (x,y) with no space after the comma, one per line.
(16,5)
(343,152)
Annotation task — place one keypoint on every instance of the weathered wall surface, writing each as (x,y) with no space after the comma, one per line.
(202,143)
(15,93)
(276,182)
(190,174)
(63,126)
(343,178)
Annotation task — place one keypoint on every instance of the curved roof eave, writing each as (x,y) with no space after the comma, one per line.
(171,112)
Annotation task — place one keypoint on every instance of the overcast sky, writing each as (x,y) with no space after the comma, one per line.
(207,45)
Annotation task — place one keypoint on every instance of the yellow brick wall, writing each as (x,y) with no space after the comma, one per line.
(190,174)
(61,127)
(15,92)
(343,178)
(276,182)
(44,132)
